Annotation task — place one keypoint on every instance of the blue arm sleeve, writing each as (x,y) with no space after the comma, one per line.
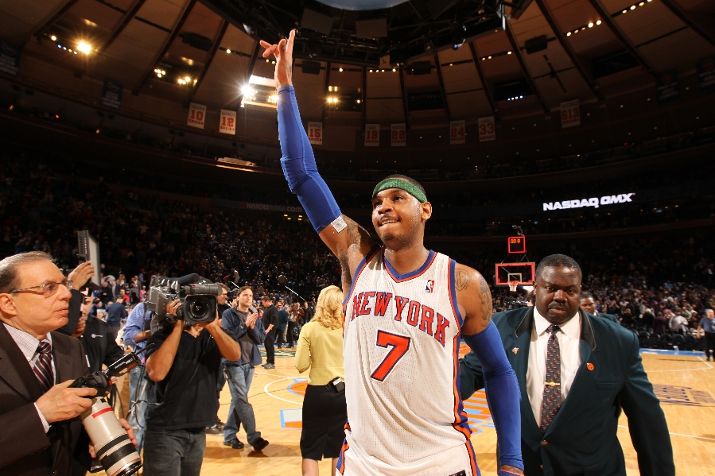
(502,393)
(298,163)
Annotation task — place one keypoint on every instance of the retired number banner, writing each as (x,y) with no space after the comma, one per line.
(228,122)
(398,135)
(372,135)
(197,115)
(456,132)
(315,133)
(487,130)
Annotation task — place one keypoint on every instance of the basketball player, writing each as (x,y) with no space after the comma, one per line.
(406,309)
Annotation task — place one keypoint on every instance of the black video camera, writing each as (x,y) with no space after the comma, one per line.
(197,295)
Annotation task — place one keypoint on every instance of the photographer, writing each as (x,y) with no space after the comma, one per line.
(182,364)
(38,411)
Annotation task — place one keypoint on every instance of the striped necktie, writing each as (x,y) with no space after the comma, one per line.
(43,365)
(551,401)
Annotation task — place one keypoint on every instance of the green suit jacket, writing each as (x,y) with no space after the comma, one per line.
(581,439)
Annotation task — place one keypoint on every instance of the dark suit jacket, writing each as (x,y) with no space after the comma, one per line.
(581,439)
(26,449)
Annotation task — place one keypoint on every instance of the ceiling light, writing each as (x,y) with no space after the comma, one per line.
(590,24)
(247,91)
(568,33)
(84,47)
(624,12)
(633,7)
(53,38)
(228,51)
(598,22)
(340,69)
(89,22)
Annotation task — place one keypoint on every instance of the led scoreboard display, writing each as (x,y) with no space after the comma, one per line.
(516,245)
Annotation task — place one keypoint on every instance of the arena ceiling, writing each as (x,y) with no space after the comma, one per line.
(441,60)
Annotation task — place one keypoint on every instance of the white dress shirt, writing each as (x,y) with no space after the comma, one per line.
(568,336)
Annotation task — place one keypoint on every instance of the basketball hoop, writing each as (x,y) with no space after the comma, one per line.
(513,285)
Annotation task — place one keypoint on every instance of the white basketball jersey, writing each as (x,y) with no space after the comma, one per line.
(405,415)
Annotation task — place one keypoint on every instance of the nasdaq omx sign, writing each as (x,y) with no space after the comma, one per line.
(594,202)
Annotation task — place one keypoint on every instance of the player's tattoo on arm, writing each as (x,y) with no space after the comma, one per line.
(485,296)
(462,280)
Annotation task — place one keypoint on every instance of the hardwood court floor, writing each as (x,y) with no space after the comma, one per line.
(685,385)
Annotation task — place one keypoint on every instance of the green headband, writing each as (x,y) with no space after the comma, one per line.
(402,184)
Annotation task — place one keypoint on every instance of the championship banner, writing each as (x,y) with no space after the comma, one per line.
(228,122)
(398,135)
(315,133)
(197,115)
(487,129)
(457,132)
(570,114)
(112,94)
(372,135)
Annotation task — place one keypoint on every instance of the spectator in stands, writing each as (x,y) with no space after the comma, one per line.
(588,304)
(676,322)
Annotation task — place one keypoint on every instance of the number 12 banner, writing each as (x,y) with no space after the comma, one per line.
(228,122)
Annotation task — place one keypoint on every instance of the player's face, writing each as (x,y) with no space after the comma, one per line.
(398,217)
(588,305)
(557,290)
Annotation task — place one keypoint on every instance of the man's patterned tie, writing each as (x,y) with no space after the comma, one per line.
(43,365)
(552,385)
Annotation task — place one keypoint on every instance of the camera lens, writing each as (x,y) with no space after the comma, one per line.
(201,308)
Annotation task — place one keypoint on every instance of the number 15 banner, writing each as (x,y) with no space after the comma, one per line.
(228,122)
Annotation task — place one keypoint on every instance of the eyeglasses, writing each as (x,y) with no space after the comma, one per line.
(48,288)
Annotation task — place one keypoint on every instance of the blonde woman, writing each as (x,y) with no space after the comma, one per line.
(320,348)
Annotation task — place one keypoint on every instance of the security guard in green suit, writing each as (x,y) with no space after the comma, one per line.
(576,373)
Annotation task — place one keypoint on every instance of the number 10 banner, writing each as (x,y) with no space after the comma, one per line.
(197,115)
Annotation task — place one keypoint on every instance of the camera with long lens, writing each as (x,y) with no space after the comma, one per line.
(115,451)
(197,296)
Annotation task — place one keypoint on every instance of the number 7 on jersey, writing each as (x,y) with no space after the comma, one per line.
(400,346)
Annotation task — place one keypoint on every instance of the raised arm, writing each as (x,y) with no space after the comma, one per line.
(479,332)
(345,238)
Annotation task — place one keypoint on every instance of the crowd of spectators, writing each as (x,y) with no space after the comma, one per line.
(143,232)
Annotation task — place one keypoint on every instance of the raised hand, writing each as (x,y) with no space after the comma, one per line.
(81,274)
(283,53)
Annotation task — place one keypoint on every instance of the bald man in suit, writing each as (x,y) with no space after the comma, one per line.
(41,433)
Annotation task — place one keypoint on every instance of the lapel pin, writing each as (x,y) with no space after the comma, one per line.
(515,350)
(590,367)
